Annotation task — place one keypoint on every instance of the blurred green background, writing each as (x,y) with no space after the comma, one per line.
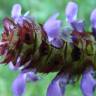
(41,10)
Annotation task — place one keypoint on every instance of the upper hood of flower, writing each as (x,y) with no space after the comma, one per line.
(71,11)
(93,18)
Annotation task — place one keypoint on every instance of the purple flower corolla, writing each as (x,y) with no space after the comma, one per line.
(16,14)
(16,11)
(71,15)
(57,42)
(71,11)
(52,27)
(78,25)
(93,22)
(58,85)
(19,84)
(88,83)
(93,18)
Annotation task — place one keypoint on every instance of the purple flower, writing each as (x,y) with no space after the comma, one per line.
(17,65)
(16,11)
(16,14)
(21,45)
(88,83)
(57,42)
(71,15)
(19,84)
(71,11)
(66,34)
(93,22)
(93,18)
(58,85)
(78,25)
(53,27)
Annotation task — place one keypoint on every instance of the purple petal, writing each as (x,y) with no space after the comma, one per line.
(78,25)
(71,11)
(56,42)
(57,86)
(19,85)
(93,22)
(93,18)
(31,76)
(52,26)
(88,83)
(16,11)
(54,89)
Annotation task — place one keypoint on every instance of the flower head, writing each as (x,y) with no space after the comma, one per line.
(30,47)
